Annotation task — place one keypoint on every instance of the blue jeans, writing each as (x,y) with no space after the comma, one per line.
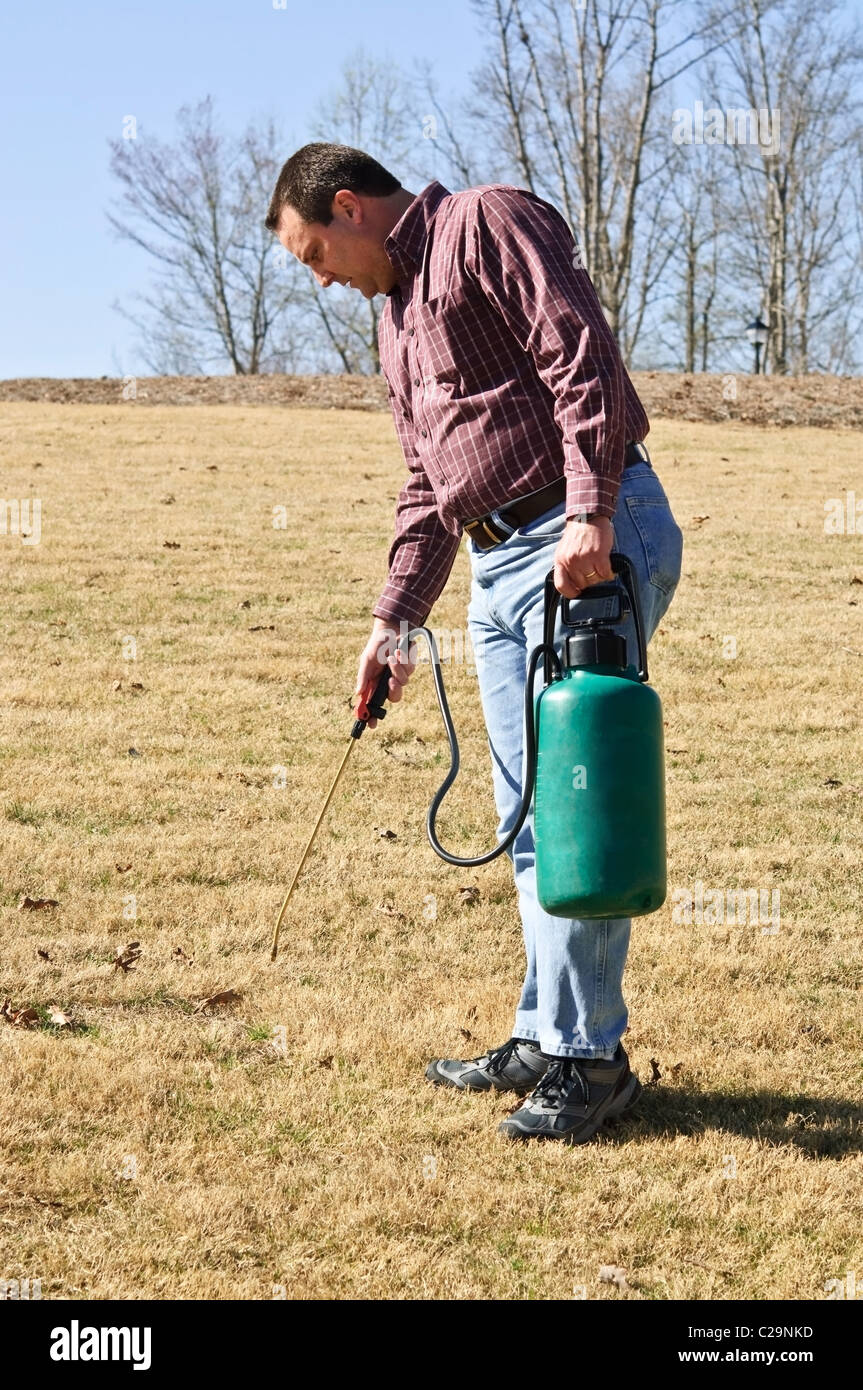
(572,998)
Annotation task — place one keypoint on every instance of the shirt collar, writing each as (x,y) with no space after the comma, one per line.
(406,242)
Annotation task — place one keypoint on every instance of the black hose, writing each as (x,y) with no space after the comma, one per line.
(528,761)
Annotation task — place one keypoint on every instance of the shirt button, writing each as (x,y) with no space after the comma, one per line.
(410,332)
(416,381)
(424,434)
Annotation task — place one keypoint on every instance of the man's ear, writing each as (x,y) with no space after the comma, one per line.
(349,205)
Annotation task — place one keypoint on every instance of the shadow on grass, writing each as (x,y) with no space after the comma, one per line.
(814,1126)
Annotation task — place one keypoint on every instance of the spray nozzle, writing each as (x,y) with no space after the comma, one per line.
(370,705)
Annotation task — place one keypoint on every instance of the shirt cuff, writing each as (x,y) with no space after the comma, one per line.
(588,492)
(399,606)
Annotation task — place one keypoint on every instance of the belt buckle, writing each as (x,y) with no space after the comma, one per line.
(481,524)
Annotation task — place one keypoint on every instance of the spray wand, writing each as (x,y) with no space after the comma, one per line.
(371,706)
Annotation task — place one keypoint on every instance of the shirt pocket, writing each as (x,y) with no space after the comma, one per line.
(446,337)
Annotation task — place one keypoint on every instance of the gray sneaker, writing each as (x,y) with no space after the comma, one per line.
(516,1065)
(574,1099)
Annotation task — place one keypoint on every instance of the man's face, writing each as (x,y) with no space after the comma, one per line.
(348,251)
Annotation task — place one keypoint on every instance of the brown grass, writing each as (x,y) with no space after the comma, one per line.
(305,1166)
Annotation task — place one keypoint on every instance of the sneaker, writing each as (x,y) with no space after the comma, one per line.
(574,1099)
(516,1065)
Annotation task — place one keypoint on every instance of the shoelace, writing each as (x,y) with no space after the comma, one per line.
(559,1080)
(498,1059)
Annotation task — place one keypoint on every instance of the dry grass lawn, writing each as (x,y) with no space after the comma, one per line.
(288,1138)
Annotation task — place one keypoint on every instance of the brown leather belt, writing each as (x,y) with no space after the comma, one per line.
(485,533)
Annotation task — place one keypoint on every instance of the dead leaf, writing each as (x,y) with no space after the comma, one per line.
(613,1274)
(133,753)
(389,911)
(263,627)
(856,579)
(171,545)
(24,1018)
(832,782)
(656,1073)
(212,468)
(697,520)
(468,895)
(125,956)
(167,499)
(19,1018)
(122,868)
(179,955)
(59,1018)
(325,1061)
(118,685)
(386,834)
(227,996)
(245,604)
(36,904)
(136,685)
(43,955)
(467,1034)
(677,1069)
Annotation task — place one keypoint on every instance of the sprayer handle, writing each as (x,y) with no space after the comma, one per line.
(370,705)
(622,566)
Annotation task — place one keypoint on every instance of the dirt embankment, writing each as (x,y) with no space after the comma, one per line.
(812,400)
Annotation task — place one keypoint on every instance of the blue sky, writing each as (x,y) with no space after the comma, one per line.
(69,73)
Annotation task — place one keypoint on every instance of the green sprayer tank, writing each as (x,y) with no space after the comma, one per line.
(599,809)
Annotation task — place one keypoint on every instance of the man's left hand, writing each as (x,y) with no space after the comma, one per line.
(583,555)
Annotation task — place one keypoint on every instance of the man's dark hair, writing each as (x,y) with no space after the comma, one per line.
(312,177)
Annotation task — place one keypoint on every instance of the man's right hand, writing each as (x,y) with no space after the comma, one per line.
(382,650)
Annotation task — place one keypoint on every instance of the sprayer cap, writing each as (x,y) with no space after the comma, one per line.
(596,648)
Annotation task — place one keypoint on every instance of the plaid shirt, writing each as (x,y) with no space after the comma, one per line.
(503,375)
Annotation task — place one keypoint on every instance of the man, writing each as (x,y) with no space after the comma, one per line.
(521,428)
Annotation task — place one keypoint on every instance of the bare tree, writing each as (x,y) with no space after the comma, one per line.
(573,99)
(797,70)
(221,297)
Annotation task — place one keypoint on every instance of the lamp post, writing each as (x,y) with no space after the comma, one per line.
(757,335)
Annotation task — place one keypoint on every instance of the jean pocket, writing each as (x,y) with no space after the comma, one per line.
(545,526)
(661,539)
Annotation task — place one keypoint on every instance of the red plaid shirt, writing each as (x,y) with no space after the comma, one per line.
(503,375)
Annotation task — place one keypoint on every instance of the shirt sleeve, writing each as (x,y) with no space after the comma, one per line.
(525,260)
(423,550)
